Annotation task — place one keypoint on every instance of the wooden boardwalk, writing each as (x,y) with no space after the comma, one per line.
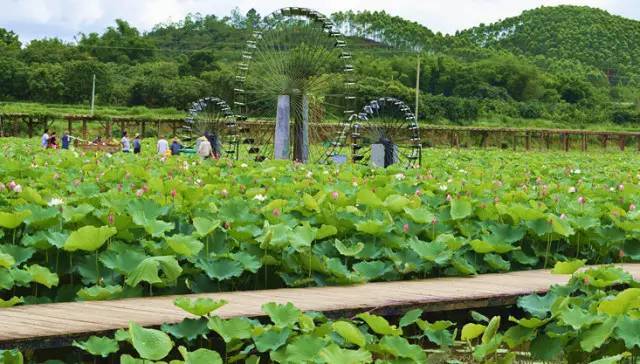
(50,325)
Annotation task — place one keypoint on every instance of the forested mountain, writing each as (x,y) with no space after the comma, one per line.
(566,64)
(591,36)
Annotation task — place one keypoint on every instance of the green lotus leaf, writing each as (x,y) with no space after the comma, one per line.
(335,354)
(627,330)
(236,328)
(463,266)
(200,306)
(185,245)
(248,261)
(349,332)
(371,270)
(200,356)
(302,236)
(6,260)
(282,315)
(98,346)
(530,323)
(420,215)
(437,252)
(149,268)
(623,302)
(399,347)
(545,348)
(348,251)
(491,330)
(611,359)
(76,214)
(310,203)
(471,331)
(128,359)
(460,209)
(536,305)
(188,329)
(496,262)
(43,276)
(379,324)
(487,348)
(18,253)
(561,227)
(99,293)
(10,302)
(410,317)
(303,349)
(205,226)
(122,258)
(368,198)
(595,336)
(89,238)
(149,343)
(272,339)
(11,220)
(568,267)
(221,268)
(373,227)
(326,231)
(11,357)
(517,335)
(396,203)
(576,317)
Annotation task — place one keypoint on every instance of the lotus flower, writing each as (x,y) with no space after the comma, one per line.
(17,189)
(276,212)
(621,187)
(563,217)
(581,200)
(443,187)
(55,202)
(449,197)
(405,228)
(244,165)
(400,176)
(335,195)
(173,193)
(12,185)
(434,221)
(632,207)
(111,219)
(139,192)
(572,189)
(259,197)
(418,193)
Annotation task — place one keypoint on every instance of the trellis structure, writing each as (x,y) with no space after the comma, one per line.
(13,124)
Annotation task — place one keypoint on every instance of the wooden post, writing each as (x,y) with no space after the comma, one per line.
(515,140)
(638,142)
(107,128)
(174,128)
(527,141)
(566,142)
(142,128)
(122,126)
(30,127)
(70,126)
(584,142)
(605,138)
(158,128)
(85,131)
(282,134)
(622,141)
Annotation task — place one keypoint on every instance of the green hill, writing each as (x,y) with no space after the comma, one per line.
(592,36)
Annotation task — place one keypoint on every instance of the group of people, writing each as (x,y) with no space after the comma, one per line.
(162,147)
(49,140)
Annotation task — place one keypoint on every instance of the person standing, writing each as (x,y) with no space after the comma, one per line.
(126,145)
(44,142)
(136,144)
(204,148)
(175,147)
(162,146)
(66,140)
(51,141)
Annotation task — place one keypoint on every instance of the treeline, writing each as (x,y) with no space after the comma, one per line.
(464,77)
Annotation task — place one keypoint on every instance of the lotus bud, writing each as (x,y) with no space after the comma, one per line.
(581,200)
(563,217)
(139,192)
(632,207)
(276,212)
(224,193)
(405,228)
(434,221)
(585,280)
(17,189)
(621,187)
(335,195)
(572,189)
(173,193)
(418,193)
(12,185)
(119,187)
(449,197)
(111,219)
(145,188)
(496,200)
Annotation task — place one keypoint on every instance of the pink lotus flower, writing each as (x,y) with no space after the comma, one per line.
(632,207)
(17,189)
(276,212)
(581,200)
(139,192)
(145,188)
(418,193)
(405,228)
(449,197)
(335,195)
(173,193)
(12,185)
(621,187)
(111,219)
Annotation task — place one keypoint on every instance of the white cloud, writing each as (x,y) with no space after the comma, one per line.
(65,18)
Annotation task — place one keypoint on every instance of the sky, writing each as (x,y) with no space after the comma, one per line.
(34,19)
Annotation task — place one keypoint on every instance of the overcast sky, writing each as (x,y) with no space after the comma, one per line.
(65,18)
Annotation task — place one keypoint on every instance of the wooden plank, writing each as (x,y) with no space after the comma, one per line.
(52,324)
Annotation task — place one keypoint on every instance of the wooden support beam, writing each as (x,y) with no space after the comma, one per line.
(622,141)
(70,126)
(527,141)
(142,128)
(584,142)
(605,138)
(30,127)
(85,131)
(566,141)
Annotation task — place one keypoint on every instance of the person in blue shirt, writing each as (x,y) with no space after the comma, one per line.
(175,147)
(66,140)
(136,144)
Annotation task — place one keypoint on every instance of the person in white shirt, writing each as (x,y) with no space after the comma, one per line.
(45,139)
(204,148)
(126,145)
(163,146)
